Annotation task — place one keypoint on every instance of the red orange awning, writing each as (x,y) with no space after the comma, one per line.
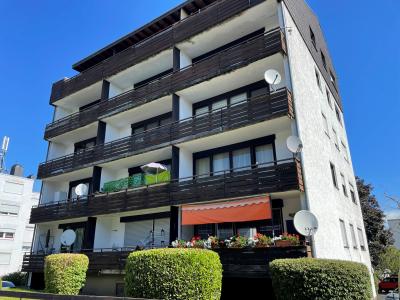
(249,209)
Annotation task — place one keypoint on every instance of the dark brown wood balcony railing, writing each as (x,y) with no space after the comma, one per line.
(238,263)
(247,112)
(278,176)
(206,18)
(220,63)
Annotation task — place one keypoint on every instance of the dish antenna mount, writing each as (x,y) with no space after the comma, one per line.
(3,151)
(68,237)
(294,144)
(273,78)
(306,223)
(81,190)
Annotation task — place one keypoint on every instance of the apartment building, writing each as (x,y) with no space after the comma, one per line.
(187,90)
(16,234)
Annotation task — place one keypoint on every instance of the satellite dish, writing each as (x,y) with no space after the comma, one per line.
(272,77)
(294,144)
(81,189)
(68,237)
(305,222)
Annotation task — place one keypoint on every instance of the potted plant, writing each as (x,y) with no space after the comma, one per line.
(262,241)
(238,242)
(287,240)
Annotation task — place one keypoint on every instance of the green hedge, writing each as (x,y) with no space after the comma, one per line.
(18,278)
(65,273)
(174,274)
(308,278)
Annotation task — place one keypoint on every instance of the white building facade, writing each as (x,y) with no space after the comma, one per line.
(16,234)
(192,96)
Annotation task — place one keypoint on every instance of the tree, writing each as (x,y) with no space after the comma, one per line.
(389,260)
(379,238)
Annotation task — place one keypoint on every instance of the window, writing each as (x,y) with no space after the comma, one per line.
(6,235)
(344,234)
(338,117)
(333,79)
(318,78)
(334,178)
(352,194)
(83,145)
(151,123)
(343,184)
(361,238)
(221,163)
(264,154)
(203,167)
(312,36)
(235,100)
(204,230)
(346,154)
(241,159)
(323,60)
(219,104)
(9,209)
(325,123)
(235,158)
(13,188)
(201,111)
(353,236)
(328,97)
(335,138)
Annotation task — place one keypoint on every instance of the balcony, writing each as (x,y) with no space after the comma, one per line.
(221,63)
(248,112)
(204,19)
(277,176)
(238,263)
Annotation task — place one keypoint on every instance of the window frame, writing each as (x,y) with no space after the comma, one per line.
(318,79)
(325,124)
(334,175)
(313,38)
(343,232)
(323,58)
(353,236)
(353,196)
(252,144)
(361,239)
(344,186)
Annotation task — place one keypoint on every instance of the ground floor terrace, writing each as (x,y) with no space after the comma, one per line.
(108,239)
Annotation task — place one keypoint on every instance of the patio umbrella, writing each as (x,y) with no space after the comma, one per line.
(154,168)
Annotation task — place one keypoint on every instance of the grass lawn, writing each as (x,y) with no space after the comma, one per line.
(18,289)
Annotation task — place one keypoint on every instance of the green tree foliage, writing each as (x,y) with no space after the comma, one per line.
(310,278)
(178,274)
(65,273)
(378,237)
(389,260)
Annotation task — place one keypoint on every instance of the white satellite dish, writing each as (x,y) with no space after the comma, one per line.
(68,237)
(305,222)
(294,144)
(81,189)
(272,77)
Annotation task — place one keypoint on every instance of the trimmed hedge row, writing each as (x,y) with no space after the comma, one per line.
(65,273)
(309,278)
(174,274)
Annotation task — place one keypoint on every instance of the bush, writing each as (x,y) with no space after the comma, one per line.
(18,278)
(65,273)
(308,278)
(174,274)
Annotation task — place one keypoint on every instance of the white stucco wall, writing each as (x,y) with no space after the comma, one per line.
(185,163)
(327,202)
(58,149)
(185,108)
(114,133)
(185,60)
(21,197)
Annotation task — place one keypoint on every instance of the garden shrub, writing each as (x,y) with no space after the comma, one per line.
(18,278)
(65,273)
(309,278)
(174,274)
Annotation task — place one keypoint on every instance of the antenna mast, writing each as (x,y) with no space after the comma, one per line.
(3,151)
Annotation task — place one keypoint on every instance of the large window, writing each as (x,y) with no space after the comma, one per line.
(83,145)
(229,99)
(344,234)
(235,158)
(6,235)
(148,124)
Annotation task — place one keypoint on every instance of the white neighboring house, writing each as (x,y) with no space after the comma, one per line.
(394,228)
(16,234)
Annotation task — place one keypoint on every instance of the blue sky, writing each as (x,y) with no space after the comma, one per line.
(40,40)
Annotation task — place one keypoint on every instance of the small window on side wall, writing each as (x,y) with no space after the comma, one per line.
(334,177)
(344,234)
(312,36)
